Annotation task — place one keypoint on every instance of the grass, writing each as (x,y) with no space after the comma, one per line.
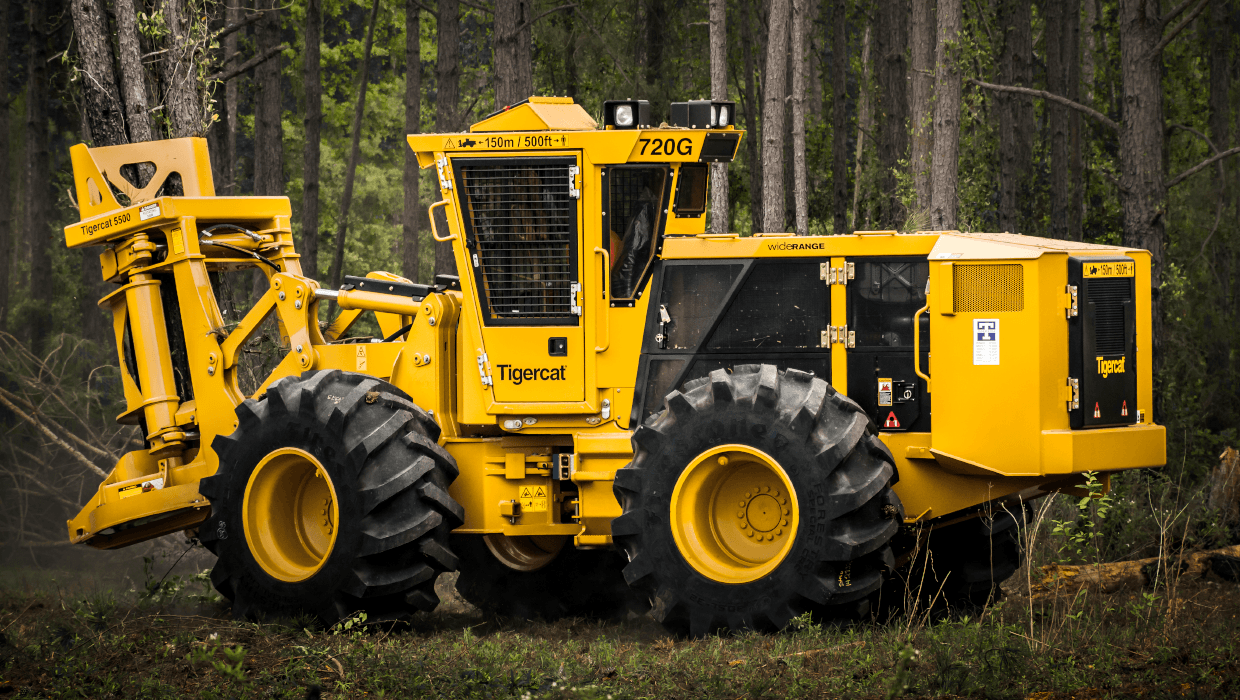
(109,645)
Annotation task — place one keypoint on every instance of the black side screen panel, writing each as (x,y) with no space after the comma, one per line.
(885,295)
(1102,341)
(781,306)
(521,233)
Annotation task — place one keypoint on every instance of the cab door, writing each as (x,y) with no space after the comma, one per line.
(522,220)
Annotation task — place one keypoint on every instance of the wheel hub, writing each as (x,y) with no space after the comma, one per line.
(290,514)
(734,514)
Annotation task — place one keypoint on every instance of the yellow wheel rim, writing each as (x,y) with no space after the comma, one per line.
(290,513)
(734,514)
(525,553)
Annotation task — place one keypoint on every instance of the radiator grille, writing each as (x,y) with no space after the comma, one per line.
(988,288)
(1108,297)
(523,220)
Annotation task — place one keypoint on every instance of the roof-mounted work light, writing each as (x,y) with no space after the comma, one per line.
(626,114)
(703,114)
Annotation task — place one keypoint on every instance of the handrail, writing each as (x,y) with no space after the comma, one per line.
(917,343)
(430,211)
(602,318)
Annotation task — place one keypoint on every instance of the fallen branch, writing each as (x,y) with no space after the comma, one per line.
(225,76)
(1049,96)
(1059,579)
(52,436)
(813,652)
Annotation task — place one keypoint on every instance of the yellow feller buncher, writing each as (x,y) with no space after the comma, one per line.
(608,404)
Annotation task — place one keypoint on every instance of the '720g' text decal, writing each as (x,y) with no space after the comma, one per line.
(666,147)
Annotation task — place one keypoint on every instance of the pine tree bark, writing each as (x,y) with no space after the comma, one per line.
(232,14)
(945,161)
(773,94)
(839,115)
(411,220)
(180,73)
(1015,114)
(921,110)
(750,97)
(346,199)
(1141,141)
(6,193)
(1062,66)
(101,104)
(38,192)
(891,42)
(800,173)
(312,78)
(514,80)
(133,77)
(865,123)
(268,130)
(719,91)
(447,87)
(1218,39)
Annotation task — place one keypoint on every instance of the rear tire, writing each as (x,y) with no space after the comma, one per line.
(331,497)
(555,580)
(966,563)
(709,540)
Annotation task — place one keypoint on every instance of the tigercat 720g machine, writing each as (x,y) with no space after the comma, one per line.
(608,404)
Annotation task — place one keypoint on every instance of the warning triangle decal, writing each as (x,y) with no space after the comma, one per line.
(892,421)
(1124,411)
(1097,412)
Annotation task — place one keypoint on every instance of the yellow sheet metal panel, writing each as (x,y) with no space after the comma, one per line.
(707,246)
(1104,449)
(985,365)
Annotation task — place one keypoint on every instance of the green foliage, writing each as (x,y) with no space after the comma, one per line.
(1081,534)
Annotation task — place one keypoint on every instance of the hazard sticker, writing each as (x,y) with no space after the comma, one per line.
(361,358)
(1123,411)
(150,211)
(533,498)
(884,392)
(1097,411)
(892,421)
(985,341)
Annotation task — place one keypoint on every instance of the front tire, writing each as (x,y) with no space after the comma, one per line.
(754,497)
(331,497)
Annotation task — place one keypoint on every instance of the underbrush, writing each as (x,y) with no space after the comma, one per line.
(177,642)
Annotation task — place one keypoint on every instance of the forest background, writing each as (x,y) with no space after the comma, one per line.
(1105,121)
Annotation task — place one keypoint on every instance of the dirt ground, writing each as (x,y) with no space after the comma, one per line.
(86,633)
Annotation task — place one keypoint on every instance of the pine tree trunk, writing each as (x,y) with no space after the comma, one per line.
(1015,114)
(232,14)
(865,123)
(753,137)
(839,115)
(133,77)
(1061,15)
(800,174)
(447,87)
(410,243)
(890,44)
(773,94)
(1143,191)
(921,111)
(268,130)
(6,193)
(719,91)
(514,80)
(38,193)
(101,104)
(1089,50)
(180,80)
(945,161)
(1072,69)
(310,155)
(1218,39)
(346,199)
